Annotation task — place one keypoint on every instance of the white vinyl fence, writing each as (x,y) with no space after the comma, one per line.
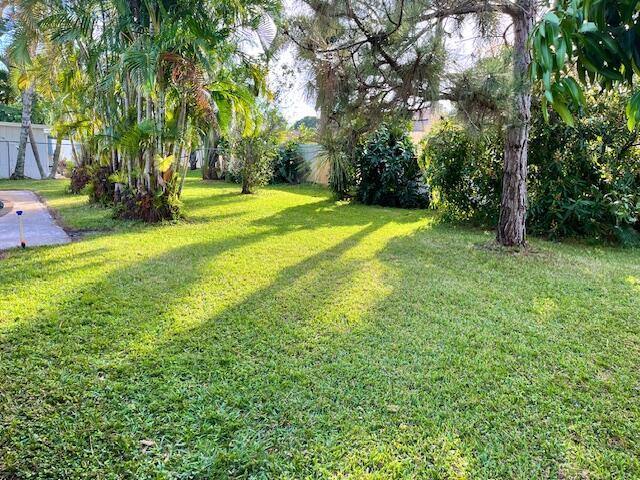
(9,141)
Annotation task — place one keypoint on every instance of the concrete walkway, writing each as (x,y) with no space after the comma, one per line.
(39,226)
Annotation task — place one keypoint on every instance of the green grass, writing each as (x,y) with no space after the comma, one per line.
(284,335)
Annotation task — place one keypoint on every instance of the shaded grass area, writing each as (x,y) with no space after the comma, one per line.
(284,335)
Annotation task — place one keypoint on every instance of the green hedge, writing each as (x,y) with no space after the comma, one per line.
(583,181)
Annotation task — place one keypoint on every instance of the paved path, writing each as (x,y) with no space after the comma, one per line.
(39,226)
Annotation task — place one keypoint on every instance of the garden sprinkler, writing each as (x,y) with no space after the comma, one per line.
(23,243)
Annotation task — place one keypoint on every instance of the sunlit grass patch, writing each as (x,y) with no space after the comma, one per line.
(286,335)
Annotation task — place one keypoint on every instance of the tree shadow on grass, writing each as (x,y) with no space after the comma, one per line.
(100,328)
(442,381)
(361,352)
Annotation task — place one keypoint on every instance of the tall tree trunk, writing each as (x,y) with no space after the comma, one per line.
(513,206)
(36,153)
(183,175)
(56,156)
(126,93)
(177,146)
(27,103)
(210,155)
(139,180)
(246,188)
(77,160)
(148,163)
(247,169)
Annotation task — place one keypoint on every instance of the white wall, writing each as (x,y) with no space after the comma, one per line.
(311,153)
(9,141)
(66,154)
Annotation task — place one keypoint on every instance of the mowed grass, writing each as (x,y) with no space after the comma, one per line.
(285,335)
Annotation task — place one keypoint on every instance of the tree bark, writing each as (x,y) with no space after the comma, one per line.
(27,103)
(178,146)
(513,205)
(36,153)
(247,168)
(180,127)
(246,188)
(210,158)
(56,157)
(77,160)
(148,155)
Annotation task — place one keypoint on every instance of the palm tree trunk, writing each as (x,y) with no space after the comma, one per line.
(247,168)
(183,175)
(513,206)
(126,93)
(149,153)
(177,147)
(74,152)
(139,119)
(27,103)
(36,153)
(56,157)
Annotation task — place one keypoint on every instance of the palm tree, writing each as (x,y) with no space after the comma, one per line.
(153,74)
(26,37)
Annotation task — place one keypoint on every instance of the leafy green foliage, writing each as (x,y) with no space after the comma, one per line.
(286,335)
(309,122)
(256,148)
(150,208)
(463,168)
(10,113)
(584,181)
(288,164)
(387,171)
(134,82)
(252,163)
(597,39)
(13,113)
(482,93)
(7,90)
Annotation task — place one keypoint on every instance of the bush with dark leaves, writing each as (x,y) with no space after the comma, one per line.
(387,171)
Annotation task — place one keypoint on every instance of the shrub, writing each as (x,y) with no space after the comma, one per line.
(252,163)
(148,207)
(333,160)
(464,171)
(80,177)
(100,188)
(387,171)
(10,113)
(65,168)
(583,181)
(288,164)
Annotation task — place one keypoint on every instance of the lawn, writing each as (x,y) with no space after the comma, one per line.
(286,335)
